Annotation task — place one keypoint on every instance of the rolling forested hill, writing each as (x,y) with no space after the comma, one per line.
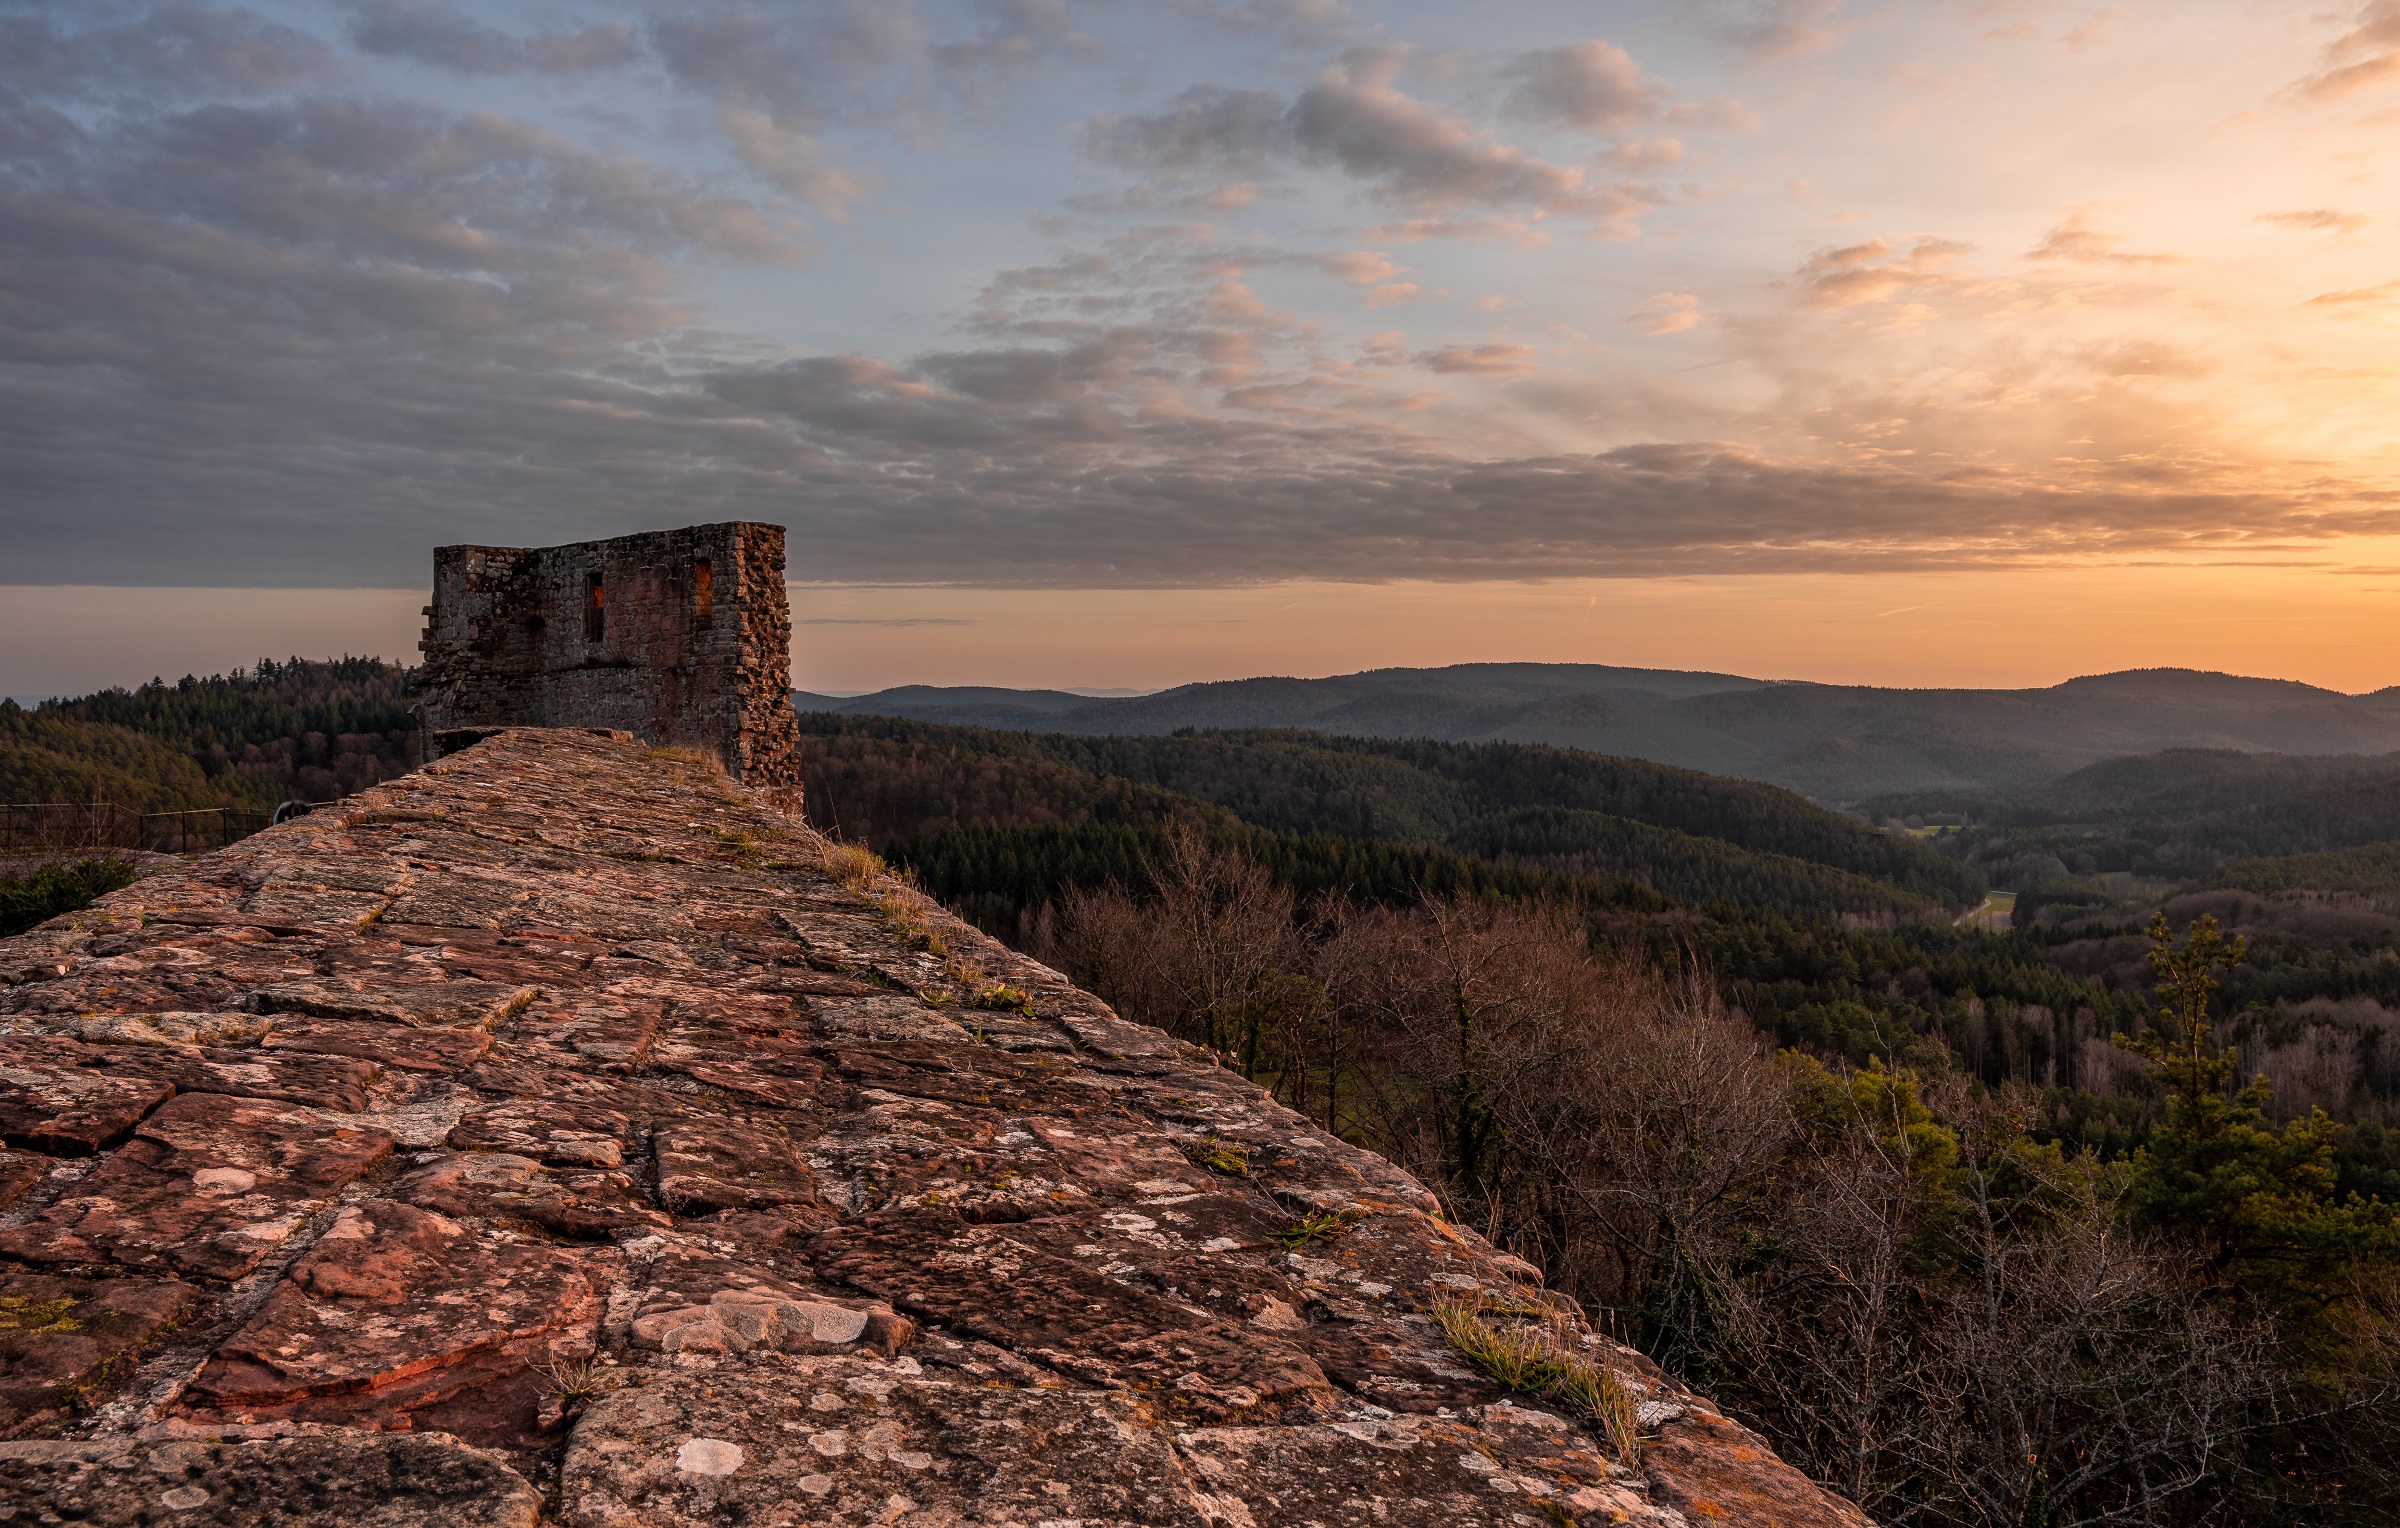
(2169,816)
(1611,822)
(252,738)
(1829,935)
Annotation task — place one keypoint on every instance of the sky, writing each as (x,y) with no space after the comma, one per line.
(1117,344)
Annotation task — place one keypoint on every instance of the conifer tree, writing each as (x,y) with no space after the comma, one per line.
(2257,1201)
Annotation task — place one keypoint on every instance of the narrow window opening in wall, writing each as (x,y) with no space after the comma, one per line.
(704,593)
(595,610)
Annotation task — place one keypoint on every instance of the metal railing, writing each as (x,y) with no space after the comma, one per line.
(66,826)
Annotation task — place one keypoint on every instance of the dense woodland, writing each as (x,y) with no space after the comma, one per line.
(2164,817)
(1887,1268)
(2080,1221)
(1000,827)
(1686,836)
(315,730)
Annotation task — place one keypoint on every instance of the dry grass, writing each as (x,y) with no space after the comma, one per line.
(699,759)
(983,990)
(907,915)
(910,916)
(1526,1345)
(904,911)
(577,1381)
(854,865)
(1316,1228)
(1000,997)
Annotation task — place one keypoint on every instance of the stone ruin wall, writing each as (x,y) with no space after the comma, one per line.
(563,1135)
(680,637)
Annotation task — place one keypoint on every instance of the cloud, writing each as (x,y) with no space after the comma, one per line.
(265,324)
(1299,23)
(2317,220)
(798,63)
(2361,297)
(229,324)
(1427,163)
(1668,313)
(2143,358)
(1877,271)
(1767,31)
(1205,129)
(794,162)
(1592,85)
(353,393)
(2076,241)
(2366,56)
(1373,271)
(1437,169)
(1495,360)
(869,65)
(1361,267)
(439,35)
(173,52)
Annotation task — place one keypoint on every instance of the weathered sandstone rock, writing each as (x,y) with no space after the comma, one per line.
(356,1480)
(59,1335)
(555,1118)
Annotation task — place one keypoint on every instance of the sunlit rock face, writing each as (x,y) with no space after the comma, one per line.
(564,1121)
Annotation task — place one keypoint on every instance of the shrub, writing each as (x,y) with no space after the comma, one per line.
(56,888)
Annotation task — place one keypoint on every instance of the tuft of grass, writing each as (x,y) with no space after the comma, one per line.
(24,1316)
(854,865)
(1528,1346)
(745,849)
(1315,1228)
(1000,997)
(1219,1157)
(903,915)
(706,762)
(982,990)
(577,1381)
(905,912)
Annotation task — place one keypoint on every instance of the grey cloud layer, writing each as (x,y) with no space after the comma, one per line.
(326,376)
(268,331)
(438,34)
(1409,155)
(105,50)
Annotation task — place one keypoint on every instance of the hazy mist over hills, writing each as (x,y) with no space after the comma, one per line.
(1839,743)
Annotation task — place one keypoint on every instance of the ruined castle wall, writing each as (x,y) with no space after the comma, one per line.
(681,637)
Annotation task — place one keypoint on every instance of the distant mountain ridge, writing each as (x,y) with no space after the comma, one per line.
(1837,743)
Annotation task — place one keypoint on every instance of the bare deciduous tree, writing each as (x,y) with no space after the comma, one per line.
(1923,1308)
